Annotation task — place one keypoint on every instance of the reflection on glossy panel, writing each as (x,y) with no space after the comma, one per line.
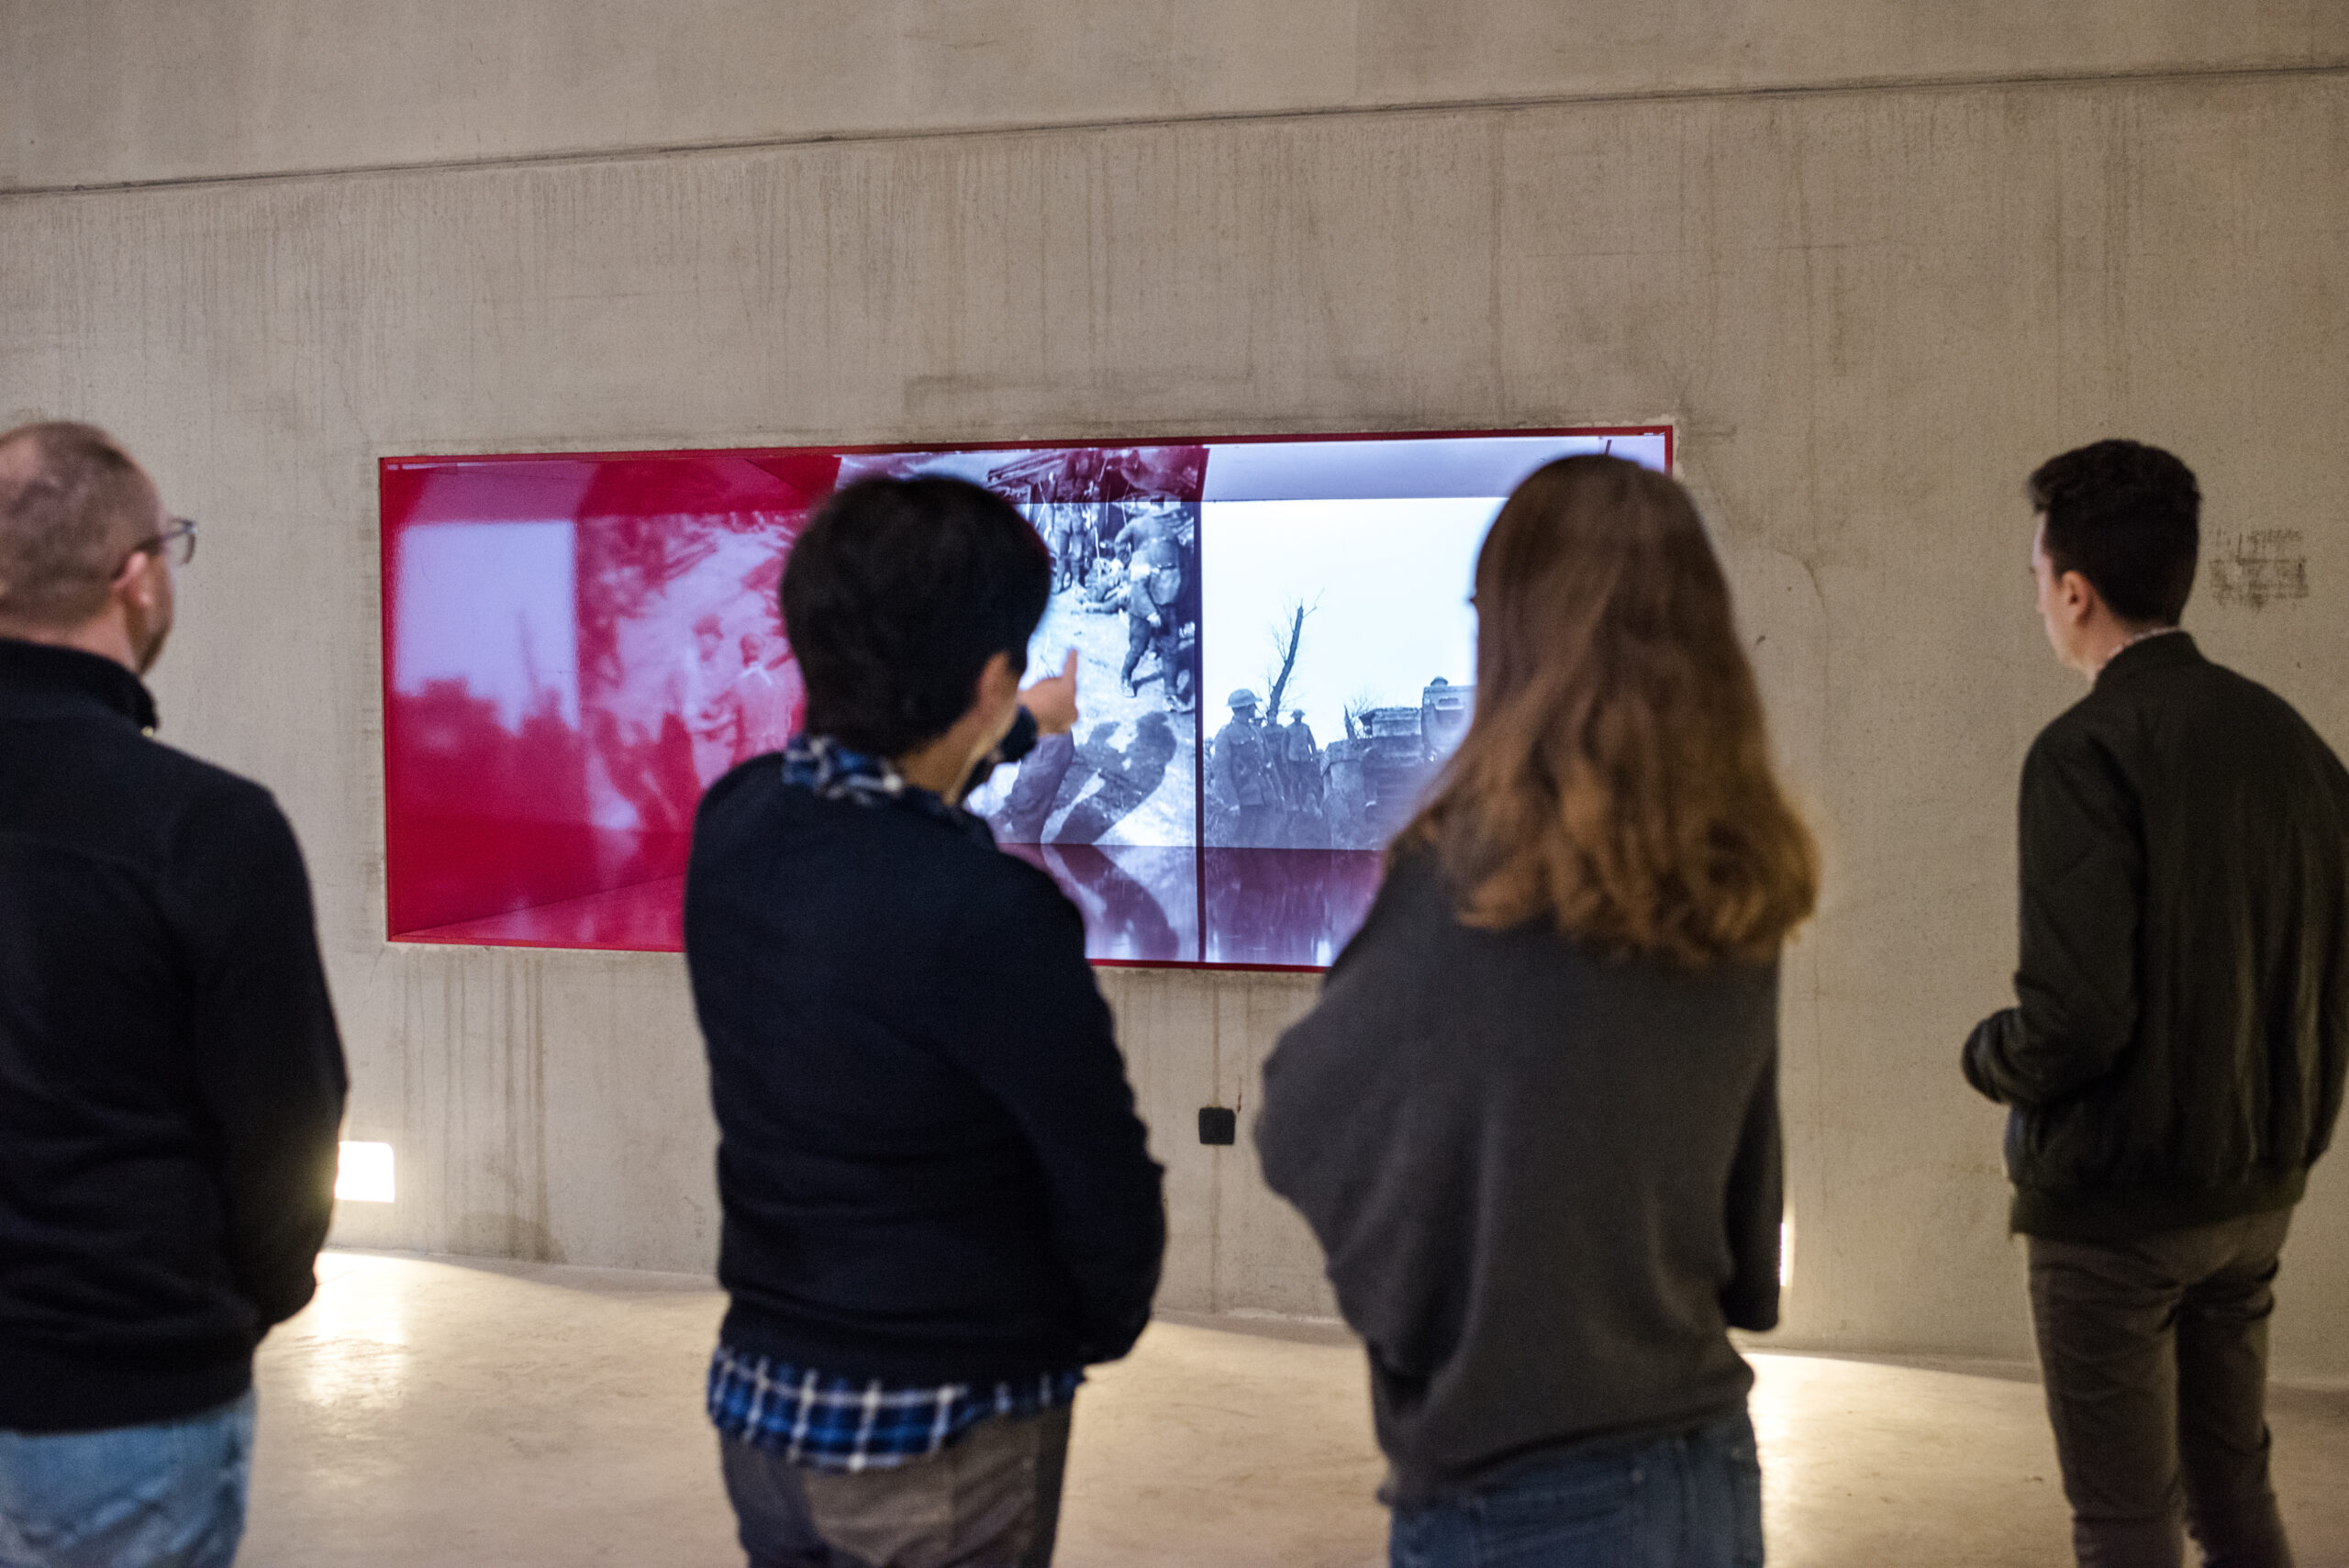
(576,646)
(1285,908)
(645,916)
(1141,904)
(573,649)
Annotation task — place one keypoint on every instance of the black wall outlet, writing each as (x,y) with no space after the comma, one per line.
(1219,1124)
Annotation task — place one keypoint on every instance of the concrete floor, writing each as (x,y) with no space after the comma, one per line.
(437,1411)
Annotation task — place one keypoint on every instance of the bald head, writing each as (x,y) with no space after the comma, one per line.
(73,505)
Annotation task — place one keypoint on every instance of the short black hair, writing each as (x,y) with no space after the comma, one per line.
(2127,517)
(894,598)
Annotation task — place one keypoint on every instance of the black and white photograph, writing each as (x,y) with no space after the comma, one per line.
(1123,526)
(1340,664)
(1112,810)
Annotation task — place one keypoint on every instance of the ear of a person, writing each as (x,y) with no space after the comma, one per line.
(136,580)
(2079,596)
(999,680)
(997,687)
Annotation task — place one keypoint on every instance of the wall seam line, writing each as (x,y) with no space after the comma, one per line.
(2150,76)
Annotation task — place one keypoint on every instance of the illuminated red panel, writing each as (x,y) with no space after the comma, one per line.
(575,646)
(573,649)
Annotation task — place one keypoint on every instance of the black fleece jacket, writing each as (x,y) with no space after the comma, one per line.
(2176,1058)
(171,1080)
(928,1160)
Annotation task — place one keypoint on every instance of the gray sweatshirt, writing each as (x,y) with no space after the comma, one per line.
(1547,1182)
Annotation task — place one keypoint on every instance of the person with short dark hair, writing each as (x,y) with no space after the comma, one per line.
(1533,1118)
(939,1206)
(2176,1062)
(170,1078)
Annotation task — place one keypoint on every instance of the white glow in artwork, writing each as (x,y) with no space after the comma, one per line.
(491,605)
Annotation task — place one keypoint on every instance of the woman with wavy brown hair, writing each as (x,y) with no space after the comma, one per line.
(1533,1120)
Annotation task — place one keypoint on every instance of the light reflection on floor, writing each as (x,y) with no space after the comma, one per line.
(348,1351)
(442,1411)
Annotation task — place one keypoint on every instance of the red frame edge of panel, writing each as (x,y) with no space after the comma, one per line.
(1668,430)
(386,465)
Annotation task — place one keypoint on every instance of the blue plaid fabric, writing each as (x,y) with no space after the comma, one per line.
(837,1423)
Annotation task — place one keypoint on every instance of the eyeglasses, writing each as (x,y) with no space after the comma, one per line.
(175,544)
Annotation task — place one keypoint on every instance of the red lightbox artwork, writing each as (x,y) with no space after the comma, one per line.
(1275,646)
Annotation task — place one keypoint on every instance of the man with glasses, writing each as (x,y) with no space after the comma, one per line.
(171,1080)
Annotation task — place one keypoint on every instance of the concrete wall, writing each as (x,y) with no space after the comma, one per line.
(1871,308)
(139,89)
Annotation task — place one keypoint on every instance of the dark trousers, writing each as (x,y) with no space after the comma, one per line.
(2154,1353)
(1142,638)
(990,1500)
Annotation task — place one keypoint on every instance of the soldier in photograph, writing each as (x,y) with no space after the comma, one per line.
(1301,761)
(1154,581)
(1105,588)
(1148,627)
(762,703)
(704,686)
(1243,771)
(1079,545)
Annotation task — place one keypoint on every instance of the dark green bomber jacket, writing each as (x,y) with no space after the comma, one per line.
(2177,1055)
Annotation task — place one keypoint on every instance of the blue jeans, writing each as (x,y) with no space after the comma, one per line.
(167,1495)
(1693,1500)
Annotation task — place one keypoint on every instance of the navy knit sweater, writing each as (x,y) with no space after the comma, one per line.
(929,1158)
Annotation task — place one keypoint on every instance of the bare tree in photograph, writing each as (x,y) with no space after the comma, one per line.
(1287,640)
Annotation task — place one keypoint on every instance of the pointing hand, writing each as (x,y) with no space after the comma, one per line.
(1052,701)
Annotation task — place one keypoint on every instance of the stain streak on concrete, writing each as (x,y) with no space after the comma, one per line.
(2263,567)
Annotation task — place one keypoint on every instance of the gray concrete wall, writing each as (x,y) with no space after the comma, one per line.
(1871,309)
(135,90)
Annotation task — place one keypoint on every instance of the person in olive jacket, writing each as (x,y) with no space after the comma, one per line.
(2175,1065)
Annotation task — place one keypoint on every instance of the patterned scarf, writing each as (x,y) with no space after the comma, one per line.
(833,771)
